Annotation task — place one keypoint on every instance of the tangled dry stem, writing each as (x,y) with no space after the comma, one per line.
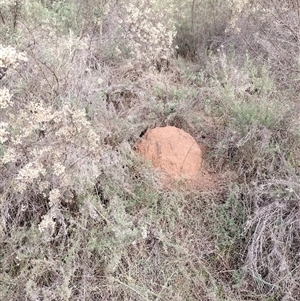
(273,251)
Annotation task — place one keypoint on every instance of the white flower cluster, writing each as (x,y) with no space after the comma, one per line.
(39,112)
(47,225)
(54,196)
(9,156)
(67,137)
(148,32)
(7,2)
(29,174)
(58,168)
(3,131)
(9,57)
(5,98)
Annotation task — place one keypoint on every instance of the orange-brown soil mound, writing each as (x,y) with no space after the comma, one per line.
(172,150)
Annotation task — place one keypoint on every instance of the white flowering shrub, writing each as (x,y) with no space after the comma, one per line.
(51,155)
(3,132)
(5,98)
(50,143)
(9,57)
(147,29)
(44,148)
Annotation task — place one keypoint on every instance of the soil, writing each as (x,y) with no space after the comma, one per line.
(178,156)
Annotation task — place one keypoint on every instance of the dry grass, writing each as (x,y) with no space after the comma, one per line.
(84,218)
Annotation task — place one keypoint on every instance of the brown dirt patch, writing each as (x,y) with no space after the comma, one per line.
(172,150)
(178,156)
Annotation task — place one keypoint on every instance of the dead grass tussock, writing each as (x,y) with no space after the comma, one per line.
(273,253)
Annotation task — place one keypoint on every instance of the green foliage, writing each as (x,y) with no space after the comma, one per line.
(231,217)
(256,112)
(248,95)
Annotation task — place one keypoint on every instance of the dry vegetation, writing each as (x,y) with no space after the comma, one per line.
(82,217)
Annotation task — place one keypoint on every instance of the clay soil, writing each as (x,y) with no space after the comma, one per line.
(179,159)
